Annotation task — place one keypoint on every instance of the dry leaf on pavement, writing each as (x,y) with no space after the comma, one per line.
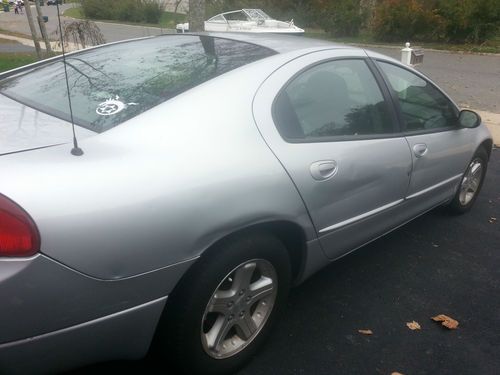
(396,373)
(492,220)
(365,331)
(413,325)
(446,321)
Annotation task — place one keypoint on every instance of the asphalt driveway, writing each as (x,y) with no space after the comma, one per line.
(437,264)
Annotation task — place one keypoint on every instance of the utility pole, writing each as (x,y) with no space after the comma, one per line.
(196,15)
(43,30)
(33,30)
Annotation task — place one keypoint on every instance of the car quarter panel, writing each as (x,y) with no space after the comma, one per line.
(160,188)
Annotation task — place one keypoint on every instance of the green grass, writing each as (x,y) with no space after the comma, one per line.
(13,60)
(168,20)
(490,46)
(74,12)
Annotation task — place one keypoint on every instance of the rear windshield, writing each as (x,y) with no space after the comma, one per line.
(112,84)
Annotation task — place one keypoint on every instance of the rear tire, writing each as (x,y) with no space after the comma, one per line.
(471,183)
(223,309)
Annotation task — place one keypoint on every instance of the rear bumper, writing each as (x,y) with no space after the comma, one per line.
(53,317)
(123,335)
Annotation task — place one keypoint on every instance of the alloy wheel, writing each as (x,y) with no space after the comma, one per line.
(239,308)
(471,182)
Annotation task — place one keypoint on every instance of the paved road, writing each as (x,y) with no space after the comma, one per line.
(435,264)
(471,80)
(112,32)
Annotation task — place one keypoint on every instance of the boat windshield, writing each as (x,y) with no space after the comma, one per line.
(256,14)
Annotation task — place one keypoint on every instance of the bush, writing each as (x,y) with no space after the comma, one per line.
(402,20)
(472,21)
(149,11)
(341,17)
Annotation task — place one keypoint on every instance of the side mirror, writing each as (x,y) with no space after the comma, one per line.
(469,119)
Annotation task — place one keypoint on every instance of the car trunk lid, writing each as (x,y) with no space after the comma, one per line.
(23,128)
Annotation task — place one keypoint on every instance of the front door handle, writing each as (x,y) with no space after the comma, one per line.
(323,169)
(420,149)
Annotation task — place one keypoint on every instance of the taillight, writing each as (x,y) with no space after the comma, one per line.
(18,233)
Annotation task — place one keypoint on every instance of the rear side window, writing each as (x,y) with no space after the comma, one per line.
(423,106)
(336,98)
(112,84)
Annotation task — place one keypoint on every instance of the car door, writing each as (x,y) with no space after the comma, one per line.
(327,119)
(441,150)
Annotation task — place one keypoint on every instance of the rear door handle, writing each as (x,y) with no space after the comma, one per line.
(323,169)
(420,149)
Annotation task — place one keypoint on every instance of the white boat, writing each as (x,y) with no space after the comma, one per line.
(245,20)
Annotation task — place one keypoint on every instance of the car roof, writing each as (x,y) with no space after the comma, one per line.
(280,43)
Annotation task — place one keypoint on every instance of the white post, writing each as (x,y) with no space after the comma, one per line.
(406,54)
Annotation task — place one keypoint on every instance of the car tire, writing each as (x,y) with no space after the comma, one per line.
(471,183)
(224,307)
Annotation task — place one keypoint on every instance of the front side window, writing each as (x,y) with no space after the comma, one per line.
(423,106)
(336,98)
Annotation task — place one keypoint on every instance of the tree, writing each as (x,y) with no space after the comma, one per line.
(196,15)
(177,3)
(33,31)
(43,30)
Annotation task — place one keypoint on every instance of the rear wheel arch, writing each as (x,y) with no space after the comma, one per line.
(277,243)
(289,233)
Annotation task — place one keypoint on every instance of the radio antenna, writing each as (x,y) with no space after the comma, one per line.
(76,151)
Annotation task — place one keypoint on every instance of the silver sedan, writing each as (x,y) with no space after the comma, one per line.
(167,192)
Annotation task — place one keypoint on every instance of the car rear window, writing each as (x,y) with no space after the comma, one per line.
(111,84)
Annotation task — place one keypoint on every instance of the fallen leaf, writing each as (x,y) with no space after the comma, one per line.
(446,321)
(435,244)
(365,331)
(396,373)
(492,220)
(413,325)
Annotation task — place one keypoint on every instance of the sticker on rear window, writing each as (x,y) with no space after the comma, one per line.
(112,106)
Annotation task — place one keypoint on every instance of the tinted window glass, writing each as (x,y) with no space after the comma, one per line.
(337,98)
(114,83)
(422,105)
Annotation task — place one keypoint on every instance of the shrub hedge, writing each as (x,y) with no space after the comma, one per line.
(148,11)
(463,21)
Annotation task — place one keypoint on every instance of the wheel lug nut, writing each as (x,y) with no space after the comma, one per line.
(231,317)
(242,291)
(248,298)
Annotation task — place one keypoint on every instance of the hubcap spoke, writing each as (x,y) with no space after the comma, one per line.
(243,276)
(218,333)
(476,170)
(261,289)
(246,327)
(221,302)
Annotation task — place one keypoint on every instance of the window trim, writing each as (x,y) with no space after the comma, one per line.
(386,95)
(397,105)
